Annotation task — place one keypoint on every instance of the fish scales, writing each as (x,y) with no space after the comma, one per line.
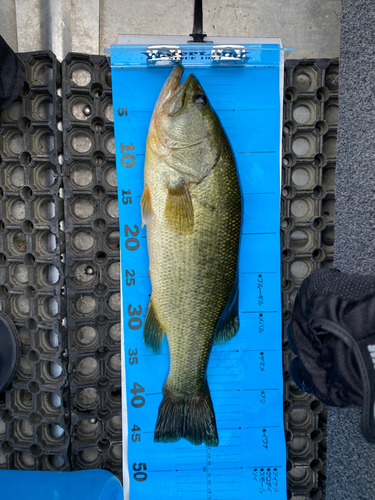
(193,252)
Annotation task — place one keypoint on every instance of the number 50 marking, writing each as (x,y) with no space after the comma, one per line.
(127,159)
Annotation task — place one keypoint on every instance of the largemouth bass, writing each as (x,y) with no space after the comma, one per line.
(191,205)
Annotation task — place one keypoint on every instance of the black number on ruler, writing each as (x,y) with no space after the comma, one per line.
(137,401)
(140,476)
(134,323)
(126,199)
(130,281)
(136,437)
(133,360)
(127,159)
(122,111)
(131,243)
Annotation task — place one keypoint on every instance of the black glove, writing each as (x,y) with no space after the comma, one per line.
(332,332)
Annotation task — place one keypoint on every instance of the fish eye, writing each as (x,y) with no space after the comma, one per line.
(200,100)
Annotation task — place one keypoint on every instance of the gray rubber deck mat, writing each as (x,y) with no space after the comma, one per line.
(34,418)
(351,461)
(87,291)
(307,241)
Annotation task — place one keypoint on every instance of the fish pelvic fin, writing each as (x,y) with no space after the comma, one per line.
(190,416)
(146,209)
(229,322)
(179,212)
(153,332)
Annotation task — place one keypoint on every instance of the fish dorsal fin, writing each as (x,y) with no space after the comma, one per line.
(179,212)
(229,322)
(146,209)
(153,332)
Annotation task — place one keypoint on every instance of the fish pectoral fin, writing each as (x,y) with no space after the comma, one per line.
(179,212)
(229,322)
(146,209)
(153,332)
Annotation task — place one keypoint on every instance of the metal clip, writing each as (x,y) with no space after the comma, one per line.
(163,54)
(228,53)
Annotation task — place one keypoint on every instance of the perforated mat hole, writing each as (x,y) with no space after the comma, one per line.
(56,461)
(55,400)
(3,291)
(319,192)
(115,332)
(108,112)
(300,177)
(33,356)
(24,124)
(26,192)
(321,127)
(87,335)
(2,226)
(83,208)
(45,176)
(101,289)
(7,416)
(31,325)
(301,146)
(88,427)
(28,228)
(301,114)
(35,450)
(110,177)
(86,304)
(328,236)
(109,144)
(318,223)
(99,224)
(115,362)
(288,192)
(98,192)
(87,366)
(288,160)
(18,210)
(290,94)
(102,352)
(46,143)
(114,302)
(318,255)
(289,127)
(287,255)
(101,320)
(289,495)
(116,393)
(100,257)
(26,428)
(112,209)
(7,447)
(29,259)
(316,406)
(287,286)
(98,158)
(96,90)
(30,292)
(56,431)
(316,494)
(83,240)
(3,259)
(20,274)
(113,240)
(103,444)
(299,269)
(81,175)
(54,369)
(88,396)
(322,94)
(299,208)
(82,142)
(35,418)
(33,387)
(15,110)
(102,384)
(116,423)
(45,108)
(103,414)
(81,77)
(97,124)
(22,305)
(114,271)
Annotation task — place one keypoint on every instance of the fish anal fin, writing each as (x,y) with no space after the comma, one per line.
(146,209)
(153,332)
(179,212)
(229,322)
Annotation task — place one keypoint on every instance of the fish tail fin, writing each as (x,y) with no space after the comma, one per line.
(188,416)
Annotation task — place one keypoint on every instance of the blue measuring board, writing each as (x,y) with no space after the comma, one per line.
(244,374)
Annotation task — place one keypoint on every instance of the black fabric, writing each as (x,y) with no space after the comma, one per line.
(9,351)
(12,75)
(327,365)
